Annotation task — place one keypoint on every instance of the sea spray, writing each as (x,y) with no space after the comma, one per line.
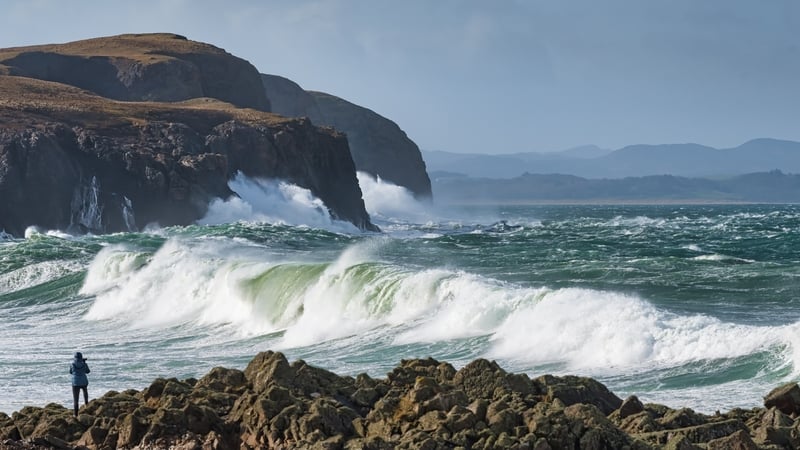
(607,331)
(388,202)
(271,201)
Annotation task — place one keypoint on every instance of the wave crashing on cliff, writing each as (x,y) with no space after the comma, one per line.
(271,201)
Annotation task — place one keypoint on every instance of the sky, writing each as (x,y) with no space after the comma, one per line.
(498,76)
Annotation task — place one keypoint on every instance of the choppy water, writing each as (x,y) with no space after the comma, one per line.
(684,305)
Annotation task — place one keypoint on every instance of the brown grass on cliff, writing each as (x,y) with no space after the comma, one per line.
(26,102)
(144,48)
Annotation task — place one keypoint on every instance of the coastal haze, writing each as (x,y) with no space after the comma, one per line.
(549,189)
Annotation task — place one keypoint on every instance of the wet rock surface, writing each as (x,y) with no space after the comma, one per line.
(421,404)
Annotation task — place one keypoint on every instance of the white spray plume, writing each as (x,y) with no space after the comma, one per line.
(272,201)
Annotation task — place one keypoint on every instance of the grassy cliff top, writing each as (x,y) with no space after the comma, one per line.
(26,101)
(145,48)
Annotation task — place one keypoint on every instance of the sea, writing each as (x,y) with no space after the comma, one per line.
(685,305)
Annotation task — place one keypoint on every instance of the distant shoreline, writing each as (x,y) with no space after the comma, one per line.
(606,202)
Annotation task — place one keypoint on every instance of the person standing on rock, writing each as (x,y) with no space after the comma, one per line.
(79,369)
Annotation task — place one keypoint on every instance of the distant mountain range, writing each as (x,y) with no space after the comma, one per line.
(682,160)
(762,187)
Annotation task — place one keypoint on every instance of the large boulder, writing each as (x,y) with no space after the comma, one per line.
(786,398)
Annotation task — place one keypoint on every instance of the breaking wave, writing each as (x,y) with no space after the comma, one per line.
(212,283)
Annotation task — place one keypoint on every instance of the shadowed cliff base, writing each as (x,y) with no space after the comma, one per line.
(421,404)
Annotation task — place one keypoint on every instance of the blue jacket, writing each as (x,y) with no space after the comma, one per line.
(79,369)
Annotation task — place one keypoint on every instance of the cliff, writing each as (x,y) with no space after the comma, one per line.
(113,133)
(378,145)
(421,404)
(142,67)
(72,159)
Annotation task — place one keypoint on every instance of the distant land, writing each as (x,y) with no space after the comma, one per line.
(680,160)
(762,187)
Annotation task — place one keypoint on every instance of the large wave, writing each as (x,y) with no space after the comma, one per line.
(216,282)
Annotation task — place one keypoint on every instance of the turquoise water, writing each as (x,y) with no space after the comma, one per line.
(692,306)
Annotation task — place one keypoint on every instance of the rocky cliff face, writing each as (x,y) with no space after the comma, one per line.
(378,145)
(71,159)
(142,67)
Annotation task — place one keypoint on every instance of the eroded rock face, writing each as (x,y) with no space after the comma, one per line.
(378,145)
(115,166)
(422,404)
(72,156)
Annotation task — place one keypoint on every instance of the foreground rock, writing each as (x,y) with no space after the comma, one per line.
(70,159)
(421,404)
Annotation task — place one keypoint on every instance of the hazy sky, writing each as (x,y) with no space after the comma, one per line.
(495,76)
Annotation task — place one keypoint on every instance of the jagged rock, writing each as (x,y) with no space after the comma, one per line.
(774,428)
(739,440)
(421,404)
(679,442)
(268,367)
(378,145)
(630,406)
(407,372)
(681,418)
(481,378)
(786,398)
(571,390)
(695,434)
(8,429)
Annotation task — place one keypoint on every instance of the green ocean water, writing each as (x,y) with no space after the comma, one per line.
(692,306)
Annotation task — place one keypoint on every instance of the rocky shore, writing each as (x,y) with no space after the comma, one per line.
(421,404)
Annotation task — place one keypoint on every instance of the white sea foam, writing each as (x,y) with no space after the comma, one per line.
(638,221)
(182,283)
(387,201)
(111,267)
(272,201)
(600,331)
(215,282)
(718,257)
(36,274)
(32,231)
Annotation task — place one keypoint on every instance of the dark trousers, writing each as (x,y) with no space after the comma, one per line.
(75,392)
